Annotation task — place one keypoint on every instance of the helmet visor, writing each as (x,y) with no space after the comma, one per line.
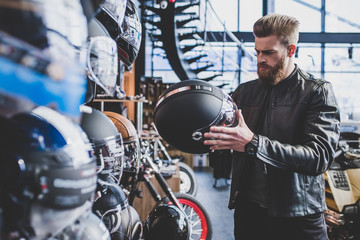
(110,153)
(130,39)
(131,156)
(102,63)
(227,117)
(132,29)
(116,9)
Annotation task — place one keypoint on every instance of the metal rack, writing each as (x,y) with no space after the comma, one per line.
(139,108)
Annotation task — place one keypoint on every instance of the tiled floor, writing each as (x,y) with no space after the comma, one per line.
(215,200)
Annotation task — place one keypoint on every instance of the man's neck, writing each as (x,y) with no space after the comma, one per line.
(289,69)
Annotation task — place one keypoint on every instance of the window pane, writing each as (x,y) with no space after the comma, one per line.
(217,13)
(309,58)
(337,58)
(250,11)
(346,87)
(342,16)
(306,11)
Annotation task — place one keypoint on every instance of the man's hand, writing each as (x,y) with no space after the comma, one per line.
(229,137)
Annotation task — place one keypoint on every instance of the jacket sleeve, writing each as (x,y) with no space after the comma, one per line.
(319,138)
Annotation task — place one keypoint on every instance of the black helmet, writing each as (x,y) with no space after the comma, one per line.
(121,20)
(113,208)
(186,110)
(129,40)
(107,143)
(110,204)
(50,161)
(166,222)
(39,55)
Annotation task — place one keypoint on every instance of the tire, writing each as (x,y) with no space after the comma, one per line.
(188,183)
(199,220)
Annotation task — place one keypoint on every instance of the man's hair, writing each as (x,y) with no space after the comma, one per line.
(285,27)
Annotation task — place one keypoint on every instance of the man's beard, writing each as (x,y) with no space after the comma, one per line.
(273,75)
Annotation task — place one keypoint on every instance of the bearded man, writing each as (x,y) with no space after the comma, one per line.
(286,139)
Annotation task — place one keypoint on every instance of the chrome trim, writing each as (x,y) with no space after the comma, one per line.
(183,89)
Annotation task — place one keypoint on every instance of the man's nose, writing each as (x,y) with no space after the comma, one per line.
(261,58)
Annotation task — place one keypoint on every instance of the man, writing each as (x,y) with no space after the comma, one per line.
(286,138)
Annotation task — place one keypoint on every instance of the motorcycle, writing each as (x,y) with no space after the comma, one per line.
(343,190)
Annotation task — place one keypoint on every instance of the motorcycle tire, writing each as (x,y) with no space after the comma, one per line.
(198,218)
(188,183)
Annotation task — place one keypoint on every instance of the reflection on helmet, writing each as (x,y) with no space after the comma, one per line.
(131,141)
(102,63)
(129,40)
(57,26)
(50,159)
(111,16)
(186,110)
(107,143)
(39,55)
(102,60)
(94,229)
(166,222)
(113,208)
(87,227)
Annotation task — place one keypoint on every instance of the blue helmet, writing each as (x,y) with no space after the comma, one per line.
(53,169)
(40,44)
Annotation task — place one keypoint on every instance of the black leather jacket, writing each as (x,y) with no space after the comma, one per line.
(298,143)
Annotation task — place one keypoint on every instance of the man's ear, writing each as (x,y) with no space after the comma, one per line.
(291,50)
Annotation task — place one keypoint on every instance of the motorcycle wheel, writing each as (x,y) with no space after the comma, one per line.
(188,183)
(199,221)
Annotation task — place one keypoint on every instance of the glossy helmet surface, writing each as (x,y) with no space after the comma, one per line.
(101,60)
(107,143)
(94,229)
(110,205)
(130,39)
(50,161)
(131,141)
(87,227)
(186,110)
(39,55)
(113,208)
(111,16)
(166,222)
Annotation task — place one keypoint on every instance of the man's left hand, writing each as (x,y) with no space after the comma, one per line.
(235,138)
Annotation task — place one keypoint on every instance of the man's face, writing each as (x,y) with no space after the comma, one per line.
(271,59)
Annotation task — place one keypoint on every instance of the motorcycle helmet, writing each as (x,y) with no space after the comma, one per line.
(101,60)
(113,208)
(166,222)
(50,161)
(39,55)
(94,229)
(129,40)
(87,227)
(107,143)
(131,143)
(186,110)
(111,15)
(90,7)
